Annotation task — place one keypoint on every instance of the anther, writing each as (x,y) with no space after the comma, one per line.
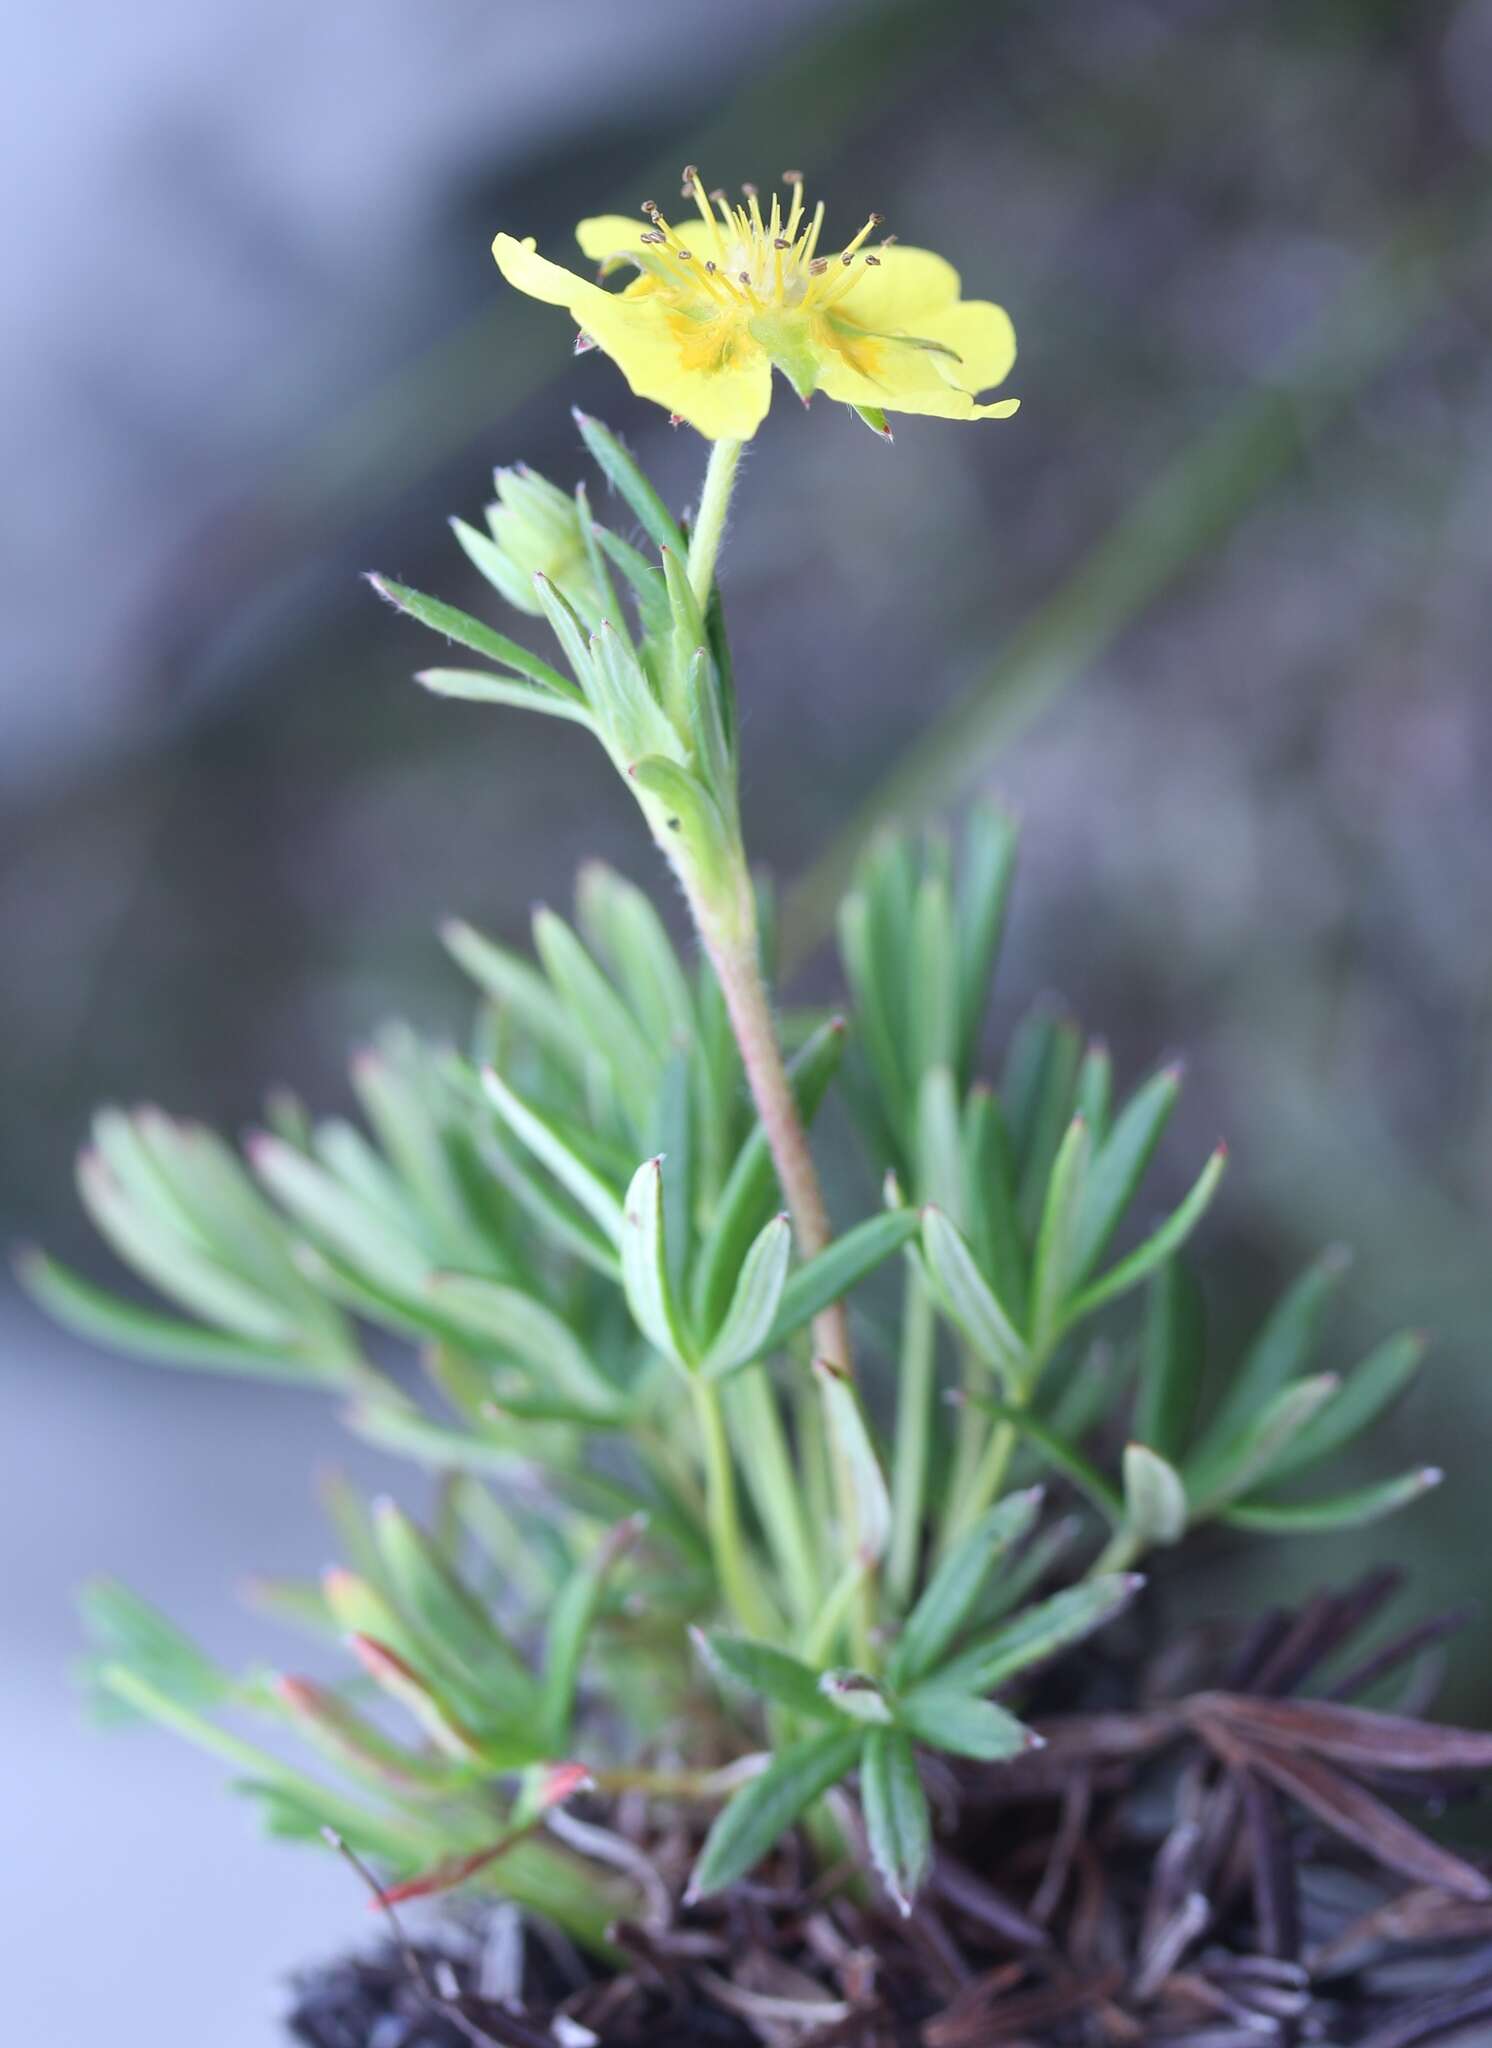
(781,242)
(689,173)
(818,266)
(710,267)
(750,191)
(686,255)
(718,194)
(874,262)
(887,240)
(744,276)
(792,177)
(847,258)
(876,219)
(650,208)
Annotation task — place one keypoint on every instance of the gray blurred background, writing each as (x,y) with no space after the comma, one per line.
(1214,612)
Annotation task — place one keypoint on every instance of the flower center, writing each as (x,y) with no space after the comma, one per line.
(735,259)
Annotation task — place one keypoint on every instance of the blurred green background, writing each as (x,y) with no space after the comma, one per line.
(1213,612)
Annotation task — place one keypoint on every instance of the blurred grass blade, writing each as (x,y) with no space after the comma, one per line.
(1281,1351)
(1119,1166)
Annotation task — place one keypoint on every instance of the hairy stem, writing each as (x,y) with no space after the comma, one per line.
(735,958)
(709,524)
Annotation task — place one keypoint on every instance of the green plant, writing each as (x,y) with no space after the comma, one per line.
(696,1535)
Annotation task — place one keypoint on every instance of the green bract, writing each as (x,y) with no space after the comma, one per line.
(686,1509)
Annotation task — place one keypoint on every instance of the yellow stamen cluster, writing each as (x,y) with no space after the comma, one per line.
(747,261)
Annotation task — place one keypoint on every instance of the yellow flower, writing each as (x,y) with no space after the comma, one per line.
(717,302)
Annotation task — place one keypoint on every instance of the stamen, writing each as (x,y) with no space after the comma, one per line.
(795,179)
(696,190)
(850,247)
(887,240)
(874,262)
(818,266)
(811,239)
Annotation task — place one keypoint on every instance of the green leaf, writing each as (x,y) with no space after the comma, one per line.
(1056,1447)
(856,1696)
(557,1218)
(1173,1353)
(1154,1497)
(939,1151)
(525,1330)
(1234,1468)
(1281,1351)
(574,1615)
(990,1201)
(1057,1238)
(339,1217)
(592,1193)
(125,1629)
(935,1015)
(772,1673)
(760,1814)
(473,686)
(953,1591)
(93,1312)
(897,1821)
(864,1497)
(1119,1166)
(1161,1245)
(148,1240)
(987,868)
(963,1725)
(684,806)
(449,1618)
(843,1265)
(645,1265)
(874,1010)
(621,924)
(570,631)
(1340,1511)
(968,1299)
(1095,1090)
(632,721)
(709,730)
(622,472)
(751,1187)
(469,632)
(1361,1398)
(520,988)
(1039,1633)
(1048,1114)
(647,582)
(752,1314)
(609,1026)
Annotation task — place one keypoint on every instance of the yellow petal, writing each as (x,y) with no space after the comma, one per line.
(723,391)
(523,266)
(981,337)
(900,286)
(611,234)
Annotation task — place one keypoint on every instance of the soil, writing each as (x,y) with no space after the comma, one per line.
(1218,1848)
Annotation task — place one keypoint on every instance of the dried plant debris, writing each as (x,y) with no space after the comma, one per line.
(1237,1863)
